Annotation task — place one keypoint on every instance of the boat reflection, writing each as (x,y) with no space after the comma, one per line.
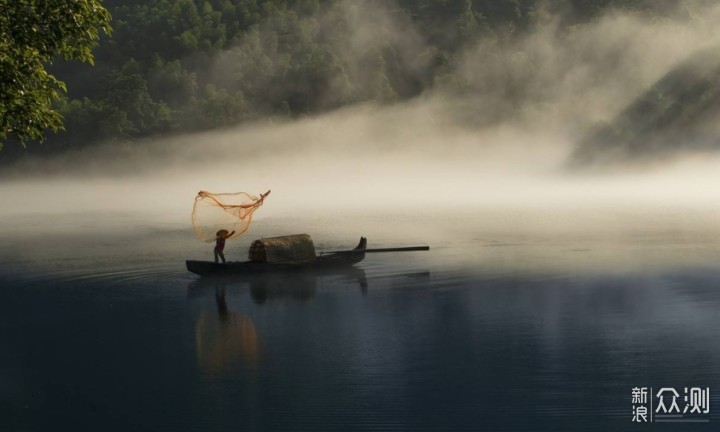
(300,286)
(225,340)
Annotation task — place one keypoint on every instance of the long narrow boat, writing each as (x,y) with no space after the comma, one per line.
(290,254)
(321,262)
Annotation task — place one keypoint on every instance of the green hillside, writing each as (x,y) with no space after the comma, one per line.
(174,66)
(678,113)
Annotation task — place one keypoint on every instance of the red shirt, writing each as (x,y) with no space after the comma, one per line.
(220,244)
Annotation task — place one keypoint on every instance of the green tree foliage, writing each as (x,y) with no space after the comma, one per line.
(182,65)
(32,34)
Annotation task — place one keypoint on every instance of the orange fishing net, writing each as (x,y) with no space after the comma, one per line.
(229,212)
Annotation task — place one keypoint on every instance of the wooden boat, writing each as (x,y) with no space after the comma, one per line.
(288,254)
(277,254)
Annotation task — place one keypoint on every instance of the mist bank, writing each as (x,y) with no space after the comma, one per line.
(676,115)
(500,131)
(560,64)
(404,159)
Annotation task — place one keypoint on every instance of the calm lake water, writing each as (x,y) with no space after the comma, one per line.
(513,321)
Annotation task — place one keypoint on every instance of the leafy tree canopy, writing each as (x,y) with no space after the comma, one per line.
(32,34)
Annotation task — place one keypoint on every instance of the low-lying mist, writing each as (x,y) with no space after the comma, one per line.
(498,135)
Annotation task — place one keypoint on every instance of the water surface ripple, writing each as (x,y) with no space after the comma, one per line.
(543,333)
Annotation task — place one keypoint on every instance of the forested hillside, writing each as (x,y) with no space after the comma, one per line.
(173,66)
(678,113)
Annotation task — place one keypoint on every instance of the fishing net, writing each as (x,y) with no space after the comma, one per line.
(213,213)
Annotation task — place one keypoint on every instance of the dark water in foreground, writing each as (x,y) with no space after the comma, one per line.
(513,330)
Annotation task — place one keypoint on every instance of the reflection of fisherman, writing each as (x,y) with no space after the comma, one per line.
(223,313)
(220,237)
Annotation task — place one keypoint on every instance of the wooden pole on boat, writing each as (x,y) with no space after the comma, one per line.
(397,249)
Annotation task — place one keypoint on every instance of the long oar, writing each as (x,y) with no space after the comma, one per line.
(397,249)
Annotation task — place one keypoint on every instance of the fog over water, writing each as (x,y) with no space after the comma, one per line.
(497,141)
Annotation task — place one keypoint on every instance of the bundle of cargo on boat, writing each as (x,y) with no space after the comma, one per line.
(298,248)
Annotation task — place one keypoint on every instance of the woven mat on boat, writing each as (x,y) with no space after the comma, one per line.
(296,248)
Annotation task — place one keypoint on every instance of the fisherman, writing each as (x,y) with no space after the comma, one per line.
(220,237)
